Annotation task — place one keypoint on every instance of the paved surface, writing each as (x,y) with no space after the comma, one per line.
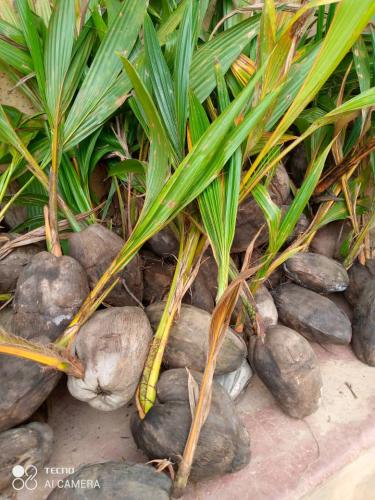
(292,458)
(327,456)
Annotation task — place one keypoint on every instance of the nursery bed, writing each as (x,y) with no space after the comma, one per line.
(172,151)
(330,454)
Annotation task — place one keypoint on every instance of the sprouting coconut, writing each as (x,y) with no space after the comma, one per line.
(113,347)
(24,386)
(50,290)
(95,248)
(188,341)
(224,444)
(287,365)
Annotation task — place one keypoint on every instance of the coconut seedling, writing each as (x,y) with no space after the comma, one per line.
(279,230)
(167,313)
(223,428)
(218,207)
(116,31)
(24,384)
(162,212)
(51,287)
(292,66)
(167,113)
(327,212)
(278,69)
(56,284)
(157,212)
(192,245)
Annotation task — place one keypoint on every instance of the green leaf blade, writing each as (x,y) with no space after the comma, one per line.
(162,84)
(160,147)
(58,52)
(33,42)
(104,70)
(225,48)
(183,55)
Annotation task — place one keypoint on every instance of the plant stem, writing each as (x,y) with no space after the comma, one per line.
(8,173)
(5,296)
(21,348)
(42,359)
(359,241)
(47,229)
(53,181)
(223,274)
(189,251)
(202,408)
(38,172)
(10,202)
(219,323)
